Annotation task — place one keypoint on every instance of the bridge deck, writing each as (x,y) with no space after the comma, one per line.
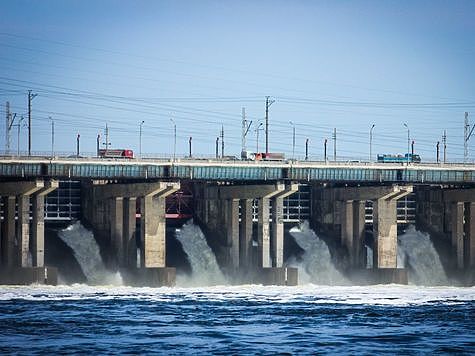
(236,170)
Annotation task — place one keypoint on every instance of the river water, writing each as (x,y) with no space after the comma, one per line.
(204,315)
(240,319)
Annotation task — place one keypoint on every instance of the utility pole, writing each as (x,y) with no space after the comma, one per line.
(77,145)
(467,133)
(444,140)
(189,143)
(371,143)
(325,149)
(269,102)
(10,119)
(245,129)
(412,149)
(217,147)
(98,144)
(30,98)
(334,144)
(8,124)
(437,150)
(257,137)
(293,139)
(140,138)
(408,142)
(107,139)
(174,138)
(222,141)
(18,135)
(306,149)
(52,137)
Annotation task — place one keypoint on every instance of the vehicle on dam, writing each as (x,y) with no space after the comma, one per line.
(408,157)
(116,153)
(262,156)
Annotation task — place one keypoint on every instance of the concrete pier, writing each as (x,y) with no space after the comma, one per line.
(340,212)
(217,209)
(17,237)
(113,217)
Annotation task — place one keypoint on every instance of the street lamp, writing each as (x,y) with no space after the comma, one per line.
(174,139)
(257,136)
(140,139)
(408,141)
(52,137)
(371,142)
(293,139)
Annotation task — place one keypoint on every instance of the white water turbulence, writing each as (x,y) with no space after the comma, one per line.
(204,267)
(316,265)
(86,252)
(420,257)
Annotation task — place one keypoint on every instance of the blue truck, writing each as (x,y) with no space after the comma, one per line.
(408,157)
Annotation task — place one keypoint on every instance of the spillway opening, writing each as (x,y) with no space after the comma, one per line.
(86,251)
(416,252)
(204,266)
(315,264)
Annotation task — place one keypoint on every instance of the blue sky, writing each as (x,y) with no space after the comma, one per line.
(328,64)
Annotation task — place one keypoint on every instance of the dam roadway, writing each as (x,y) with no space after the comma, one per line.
(237,170)
(239,206)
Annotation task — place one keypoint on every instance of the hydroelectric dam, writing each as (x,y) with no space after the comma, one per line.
(243,209)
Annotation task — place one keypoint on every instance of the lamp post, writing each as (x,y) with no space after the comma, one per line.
(293,139)
(18,126)
(52,137)
(174,139)
(371,143)
(257,137)
(140,138)
(408,141)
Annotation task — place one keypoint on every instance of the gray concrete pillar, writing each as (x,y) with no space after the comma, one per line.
(38,223)
(457,214)
(358,251)
(8,232)
(232,232)
(129,242)
(152,211)
(346,223)
(245,234)
(117,227)
(263,234)
(23,230)
(470,239)
(277,237)
(38,230)
(385,233)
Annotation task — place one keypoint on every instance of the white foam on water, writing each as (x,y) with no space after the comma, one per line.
(86,252)
(385,295)
(316,265)
(420,257)
(205,269)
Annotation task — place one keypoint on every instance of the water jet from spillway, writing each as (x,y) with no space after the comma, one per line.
(315,265)
(86,252)
(204,267)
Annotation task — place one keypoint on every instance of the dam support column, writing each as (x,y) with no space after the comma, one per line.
(17,266)
(233,241)
(245,234)
(342,214)
(38,224)
(460,205)
(129,233)
(116,222)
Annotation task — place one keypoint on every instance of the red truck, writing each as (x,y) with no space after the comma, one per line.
(116,153)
